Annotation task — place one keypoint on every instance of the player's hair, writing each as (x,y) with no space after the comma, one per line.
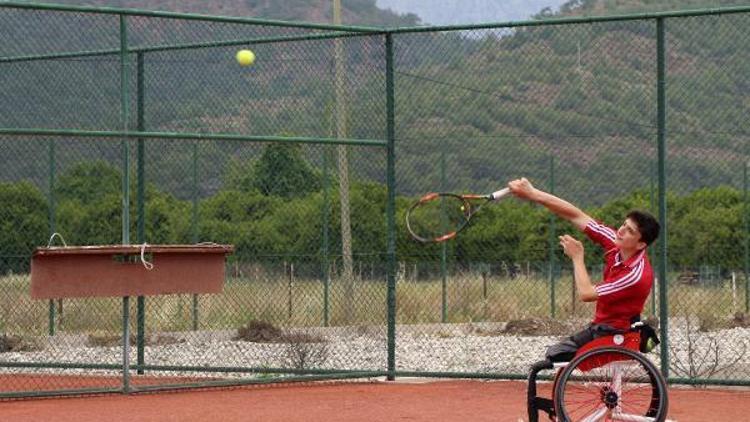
(647,224)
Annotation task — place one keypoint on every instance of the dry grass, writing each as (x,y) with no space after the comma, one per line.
(469,298)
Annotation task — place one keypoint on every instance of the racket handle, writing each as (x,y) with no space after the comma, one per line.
(494,196)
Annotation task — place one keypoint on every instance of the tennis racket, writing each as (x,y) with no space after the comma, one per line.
(437,217)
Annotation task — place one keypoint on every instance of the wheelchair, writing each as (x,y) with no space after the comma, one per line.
(608,379)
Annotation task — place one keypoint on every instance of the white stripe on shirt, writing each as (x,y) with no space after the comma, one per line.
(602,230)
(624,282)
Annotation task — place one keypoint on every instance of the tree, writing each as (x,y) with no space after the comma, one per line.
(282,171)
(23,223)
(89,208)
(706,229)
(88,181)
(239,175)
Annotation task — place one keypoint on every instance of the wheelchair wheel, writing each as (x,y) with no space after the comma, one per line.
(610,384)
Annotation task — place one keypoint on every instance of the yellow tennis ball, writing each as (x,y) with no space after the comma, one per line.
(245,57)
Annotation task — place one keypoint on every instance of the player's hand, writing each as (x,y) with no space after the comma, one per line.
(572,247)
(522,188)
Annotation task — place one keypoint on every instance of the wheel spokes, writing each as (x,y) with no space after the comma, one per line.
(597,416)
(610,387)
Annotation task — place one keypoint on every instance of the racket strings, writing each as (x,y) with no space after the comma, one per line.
(438,217)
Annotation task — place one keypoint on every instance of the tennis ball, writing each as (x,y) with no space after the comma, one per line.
(245,57)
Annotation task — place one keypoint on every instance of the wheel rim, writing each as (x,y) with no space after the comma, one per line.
(629,385)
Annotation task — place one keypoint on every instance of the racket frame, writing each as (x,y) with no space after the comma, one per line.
(468,209)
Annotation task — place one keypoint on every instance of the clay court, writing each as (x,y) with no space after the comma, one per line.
(408,400)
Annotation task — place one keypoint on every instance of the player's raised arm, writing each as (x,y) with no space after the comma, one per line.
(522,188)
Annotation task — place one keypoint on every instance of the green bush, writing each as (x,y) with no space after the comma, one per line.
(24,224)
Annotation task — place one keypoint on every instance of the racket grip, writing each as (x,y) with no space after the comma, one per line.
(494,196)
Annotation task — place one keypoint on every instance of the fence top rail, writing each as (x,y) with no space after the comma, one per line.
(188,136)
(376,30)
(186,46)
(576,20)
(184,16)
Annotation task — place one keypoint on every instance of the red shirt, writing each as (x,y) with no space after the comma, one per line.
(625,285)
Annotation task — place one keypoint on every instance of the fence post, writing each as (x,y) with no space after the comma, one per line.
(290,282)
(662,148)
(194,224)
(391,205)
(653,168)
(552,232)
(124,117)
(324,251)
(141,198)
(443,251)
(746,221)
(51,219)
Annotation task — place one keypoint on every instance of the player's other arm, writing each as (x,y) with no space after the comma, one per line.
(574,249)
(522,188)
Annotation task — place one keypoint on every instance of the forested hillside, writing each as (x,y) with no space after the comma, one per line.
(573,104)
(497,102)
(584,95)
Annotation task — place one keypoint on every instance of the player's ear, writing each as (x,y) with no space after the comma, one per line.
(641,245)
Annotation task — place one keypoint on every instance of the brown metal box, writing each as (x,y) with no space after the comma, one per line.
(119,270)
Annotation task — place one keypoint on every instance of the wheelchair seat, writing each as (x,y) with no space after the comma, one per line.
(630,340)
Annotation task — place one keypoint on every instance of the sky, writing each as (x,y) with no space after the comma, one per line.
(450,12)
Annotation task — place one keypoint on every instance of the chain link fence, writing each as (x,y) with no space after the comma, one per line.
(139,127)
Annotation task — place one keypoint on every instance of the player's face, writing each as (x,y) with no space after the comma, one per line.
(628,236)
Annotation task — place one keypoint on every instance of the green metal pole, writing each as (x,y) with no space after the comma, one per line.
(195,312)
(51,324)
(653,168)
(51,218)
(746,220)
(141,126)
(661,110)
(551,240)
(124,116)
(194,224)
(443,252)
(124,121)
(141,200)
(185,136)
(391,205)
(324,249)
(185,16)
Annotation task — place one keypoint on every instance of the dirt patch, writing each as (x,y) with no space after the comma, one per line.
(540,327)
(711,323)
(260,332)
(537,327)
(13,343)
(265,332)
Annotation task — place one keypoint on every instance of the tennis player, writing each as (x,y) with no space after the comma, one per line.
(626,281)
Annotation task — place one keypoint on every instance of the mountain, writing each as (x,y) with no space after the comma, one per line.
(452,12)
(579,102)
(407,12)
(319,11)
(473,108)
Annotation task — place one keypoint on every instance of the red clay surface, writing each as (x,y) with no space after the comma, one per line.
(456,400)
(51,382)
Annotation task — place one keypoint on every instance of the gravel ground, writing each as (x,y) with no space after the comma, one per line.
(478,347)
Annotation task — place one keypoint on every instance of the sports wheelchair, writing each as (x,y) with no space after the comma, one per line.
(608,379)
